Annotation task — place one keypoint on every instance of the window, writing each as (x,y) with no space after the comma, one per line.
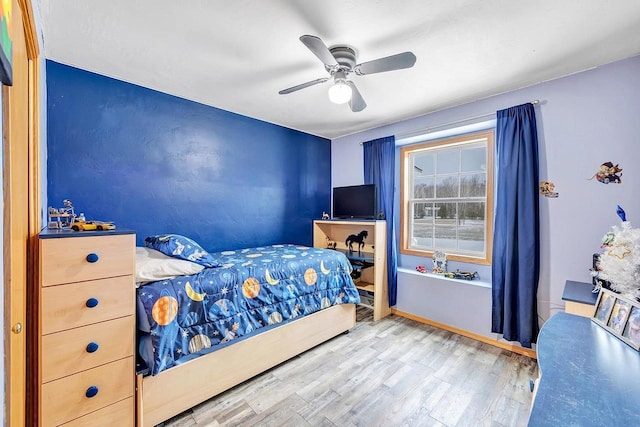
(447,198)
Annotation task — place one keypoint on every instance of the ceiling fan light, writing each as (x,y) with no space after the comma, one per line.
(340,93)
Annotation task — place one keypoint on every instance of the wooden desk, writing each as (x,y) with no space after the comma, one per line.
(588,376)
(579,298)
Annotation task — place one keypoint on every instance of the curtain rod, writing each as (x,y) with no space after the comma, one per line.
(431,128)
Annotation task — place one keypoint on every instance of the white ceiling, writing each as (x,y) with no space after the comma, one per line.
(236,55)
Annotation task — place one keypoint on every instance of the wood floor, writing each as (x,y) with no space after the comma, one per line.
(394,372)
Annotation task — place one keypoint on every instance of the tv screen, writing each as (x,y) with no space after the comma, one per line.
(356,201)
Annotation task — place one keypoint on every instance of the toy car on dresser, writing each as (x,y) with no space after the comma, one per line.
(80,224)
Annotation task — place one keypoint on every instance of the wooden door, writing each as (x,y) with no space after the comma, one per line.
(20,105)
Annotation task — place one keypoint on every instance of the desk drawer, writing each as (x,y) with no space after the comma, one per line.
(67,306)
(75,350)
(66,399)
(70,259)
(119,414)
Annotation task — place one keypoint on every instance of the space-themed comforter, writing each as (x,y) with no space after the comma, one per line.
(252,290)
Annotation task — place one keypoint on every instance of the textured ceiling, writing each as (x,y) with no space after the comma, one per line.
(236,55)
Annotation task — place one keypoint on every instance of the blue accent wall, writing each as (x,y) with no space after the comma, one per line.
(156,163)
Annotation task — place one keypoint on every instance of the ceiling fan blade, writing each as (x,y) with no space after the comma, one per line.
(389,63)
(303,85)
(357,101)
(319,49)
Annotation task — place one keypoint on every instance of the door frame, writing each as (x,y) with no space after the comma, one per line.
(15,378)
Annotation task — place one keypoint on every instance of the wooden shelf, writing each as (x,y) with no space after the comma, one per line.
(370,259)
(370,287)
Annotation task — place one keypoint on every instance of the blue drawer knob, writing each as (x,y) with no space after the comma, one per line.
(92,302)
(92,258)
(92,347)
(91,391)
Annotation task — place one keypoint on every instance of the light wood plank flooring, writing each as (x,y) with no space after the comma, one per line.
(394,372)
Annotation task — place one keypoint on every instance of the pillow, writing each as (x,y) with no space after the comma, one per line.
(180,247)
(152,265)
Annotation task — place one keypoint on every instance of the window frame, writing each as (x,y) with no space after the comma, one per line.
(406,198)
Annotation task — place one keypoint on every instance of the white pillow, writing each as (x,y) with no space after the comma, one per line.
(152,265)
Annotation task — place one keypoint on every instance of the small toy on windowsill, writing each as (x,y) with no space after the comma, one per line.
(465,275)
(421,269)
(439,262)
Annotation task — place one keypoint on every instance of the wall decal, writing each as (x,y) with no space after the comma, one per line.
(6,73)
(546,189)
(608,172)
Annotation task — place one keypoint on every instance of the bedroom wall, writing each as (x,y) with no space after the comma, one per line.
(584,120)
(156,163)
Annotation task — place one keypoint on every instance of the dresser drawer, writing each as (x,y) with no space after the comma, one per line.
(67,306)
(119,414)
(67,260)
(83,348)
(66,399)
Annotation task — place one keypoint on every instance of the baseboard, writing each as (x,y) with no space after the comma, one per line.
(504,345)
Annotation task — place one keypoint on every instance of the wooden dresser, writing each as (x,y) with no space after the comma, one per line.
(86,328)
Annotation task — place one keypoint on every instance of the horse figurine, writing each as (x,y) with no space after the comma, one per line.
(359,239)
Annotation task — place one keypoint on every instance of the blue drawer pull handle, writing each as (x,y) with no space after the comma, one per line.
(92,302)
(93,258)
(92,347)
(91,391)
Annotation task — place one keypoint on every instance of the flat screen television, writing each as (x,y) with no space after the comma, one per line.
(355,202)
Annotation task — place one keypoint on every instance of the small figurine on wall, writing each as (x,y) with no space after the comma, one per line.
(546,189)
(608,172)
(325,215)
(359,239)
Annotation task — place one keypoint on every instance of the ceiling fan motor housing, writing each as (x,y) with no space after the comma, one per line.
(345,57)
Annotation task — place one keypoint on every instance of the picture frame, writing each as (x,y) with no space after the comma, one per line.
(604,306)
(631,331)
(618,315)
(6,45)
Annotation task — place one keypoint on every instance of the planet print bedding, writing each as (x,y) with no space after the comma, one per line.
(252,290)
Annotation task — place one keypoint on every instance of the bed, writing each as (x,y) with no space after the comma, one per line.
(242,313)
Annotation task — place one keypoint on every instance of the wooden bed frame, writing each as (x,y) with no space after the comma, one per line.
(181,387)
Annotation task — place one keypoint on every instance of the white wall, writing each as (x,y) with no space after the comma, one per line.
(584,120)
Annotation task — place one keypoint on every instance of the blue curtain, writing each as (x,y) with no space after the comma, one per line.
(379,169)
(516,240)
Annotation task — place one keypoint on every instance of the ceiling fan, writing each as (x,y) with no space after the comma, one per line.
(340,61)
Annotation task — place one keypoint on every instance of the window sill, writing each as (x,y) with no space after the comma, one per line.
(480,283)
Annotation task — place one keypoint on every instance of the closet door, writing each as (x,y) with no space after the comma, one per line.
(20,107)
